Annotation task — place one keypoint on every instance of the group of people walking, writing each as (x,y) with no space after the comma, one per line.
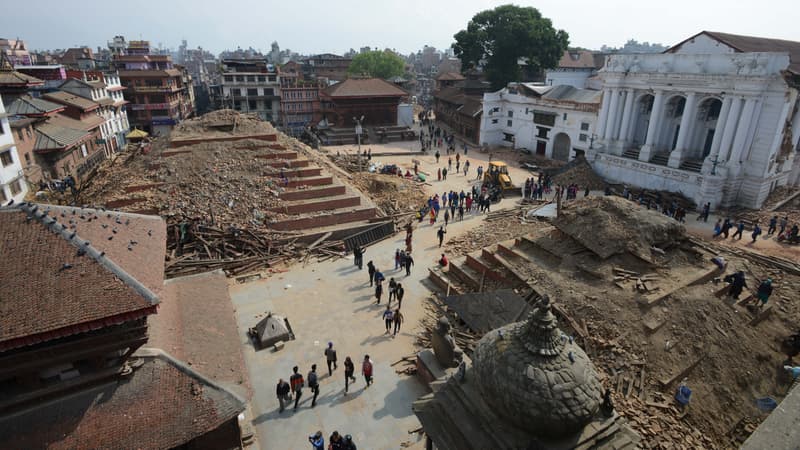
(293,390)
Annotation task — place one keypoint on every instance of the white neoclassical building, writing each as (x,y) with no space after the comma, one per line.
(554,121)
(12,178)
(714,117)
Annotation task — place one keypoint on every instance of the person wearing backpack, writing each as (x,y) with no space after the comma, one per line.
(366,370)
(313,383)
(330,357)
(296,381)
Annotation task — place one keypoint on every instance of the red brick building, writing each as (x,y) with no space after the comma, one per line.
(373,98)
(73,313)
(158,92)
(300,99)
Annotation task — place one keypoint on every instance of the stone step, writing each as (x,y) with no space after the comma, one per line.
(322,204)
(289,163)
(631,153)
(441,280)
(692,165)
(314,192)
(277,155)
(660,159)
(303,172)
(324,220)
(492,269)
(459,270)
(311,181)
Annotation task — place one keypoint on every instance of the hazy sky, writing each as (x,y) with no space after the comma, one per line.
(335,26)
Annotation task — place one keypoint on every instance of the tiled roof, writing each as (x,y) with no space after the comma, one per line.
(50,137)
(73,55)
(468,105)
(31,106)
(14,78)
(162,404)
(145,261)
(86,124)
(752,44)
(364,87)
(22,122)
(71,99)
(581,59)
(50,289)
(450,76)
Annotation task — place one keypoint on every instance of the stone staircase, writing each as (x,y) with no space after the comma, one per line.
(312,198)
(631,153)
(692,165)
(660,159)
(504,265)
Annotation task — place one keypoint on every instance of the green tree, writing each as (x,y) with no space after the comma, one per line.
(377,63)
(498,38)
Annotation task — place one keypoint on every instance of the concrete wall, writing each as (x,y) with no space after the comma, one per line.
(575,78)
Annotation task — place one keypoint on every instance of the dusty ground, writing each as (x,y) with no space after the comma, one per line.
(331,301)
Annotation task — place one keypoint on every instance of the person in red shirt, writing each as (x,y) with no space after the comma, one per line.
(366,369)
(443,261)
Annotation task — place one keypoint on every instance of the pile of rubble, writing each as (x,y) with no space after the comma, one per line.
(648,342)
(392,194)
(612,225)
(782,202)
(223,122)
(578,171)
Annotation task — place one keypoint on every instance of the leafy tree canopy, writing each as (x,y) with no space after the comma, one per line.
(498,38)
(380,64)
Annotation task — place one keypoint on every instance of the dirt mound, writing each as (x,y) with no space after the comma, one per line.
(579,172)
(612,225)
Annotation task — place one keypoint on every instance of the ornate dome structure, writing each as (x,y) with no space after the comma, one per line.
(534,376)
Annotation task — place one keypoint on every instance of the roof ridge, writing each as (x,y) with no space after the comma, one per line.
(32,209)
(157,353)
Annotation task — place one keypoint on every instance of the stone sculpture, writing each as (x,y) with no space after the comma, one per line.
(444,345)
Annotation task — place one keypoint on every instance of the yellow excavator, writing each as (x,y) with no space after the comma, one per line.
(497,178)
